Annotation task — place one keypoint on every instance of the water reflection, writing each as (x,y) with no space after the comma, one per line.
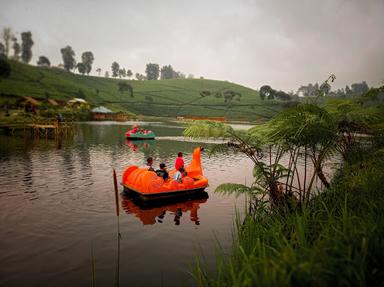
(140,145)
(150,213)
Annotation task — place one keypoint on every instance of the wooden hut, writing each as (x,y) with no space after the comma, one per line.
(78,103)
(101,114)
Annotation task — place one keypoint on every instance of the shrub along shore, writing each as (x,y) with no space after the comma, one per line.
(337,240)
(334,238)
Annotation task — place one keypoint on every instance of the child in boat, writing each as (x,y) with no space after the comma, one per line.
(179,161)
(178,176)
(162,172)
(148,166)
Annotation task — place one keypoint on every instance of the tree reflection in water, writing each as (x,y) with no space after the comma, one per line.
(155,212)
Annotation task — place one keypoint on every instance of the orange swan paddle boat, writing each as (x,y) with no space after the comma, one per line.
(148,185)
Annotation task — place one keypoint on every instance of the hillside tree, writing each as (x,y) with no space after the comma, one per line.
(359,88)
(81,67)
(5,68)
(115,69)
(98,70)
(124,87)
(26,46)
(179,75)
(348,90)
(7,36)
(68,58)
(43,61)
(281,95)
(87,59)
(325,88)
(16,49)
(2,51)
(167,72)
(140,77)
(106,74)
(265,92)
(152,71)
(129,73)
(122,73)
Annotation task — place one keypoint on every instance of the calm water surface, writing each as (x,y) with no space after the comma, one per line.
(57,204)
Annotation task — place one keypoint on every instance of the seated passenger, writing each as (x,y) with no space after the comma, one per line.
(178,176)
(162,172)
(148,166)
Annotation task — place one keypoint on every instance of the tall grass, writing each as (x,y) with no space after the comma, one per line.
(337,240)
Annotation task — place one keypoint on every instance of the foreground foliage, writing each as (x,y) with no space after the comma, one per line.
(289,236)
(337,240)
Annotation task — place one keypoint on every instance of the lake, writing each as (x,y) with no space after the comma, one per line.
(58,208)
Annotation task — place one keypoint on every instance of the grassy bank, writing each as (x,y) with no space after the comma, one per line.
(337,240)
(169,98)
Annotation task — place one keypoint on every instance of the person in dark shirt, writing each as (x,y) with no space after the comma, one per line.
(163,171)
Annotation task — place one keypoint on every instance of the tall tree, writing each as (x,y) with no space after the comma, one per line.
(179,75)
(140,77)
(348,90)
(115,69)
(167,72)
(98,70)
(2,51)
(129,73)
(68,57)
(26,46)
(124,86)
(43,61)
(122,73)
(5,68)
(16,49)
(152,71)
(281,95)
(325,88)
(7,36)
(81,67)
(359,88)
(87,58)
(106,74)
(265,92)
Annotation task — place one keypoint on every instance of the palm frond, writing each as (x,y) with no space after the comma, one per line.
(238,189)
(206,129)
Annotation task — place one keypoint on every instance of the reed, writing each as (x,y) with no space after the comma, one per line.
(93,264)
(117,272)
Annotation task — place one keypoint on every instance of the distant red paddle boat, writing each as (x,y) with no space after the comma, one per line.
(139,134)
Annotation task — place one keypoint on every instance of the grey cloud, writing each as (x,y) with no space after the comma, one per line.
(281,43)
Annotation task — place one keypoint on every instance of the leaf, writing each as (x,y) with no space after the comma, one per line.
(238,189)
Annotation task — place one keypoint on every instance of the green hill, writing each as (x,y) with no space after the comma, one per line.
(176,97)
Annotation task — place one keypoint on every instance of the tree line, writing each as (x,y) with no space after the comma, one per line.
(313,90)
(152,72)
(23,52)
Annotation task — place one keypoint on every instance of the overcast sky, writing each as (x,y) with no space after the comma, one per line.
(282,43)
